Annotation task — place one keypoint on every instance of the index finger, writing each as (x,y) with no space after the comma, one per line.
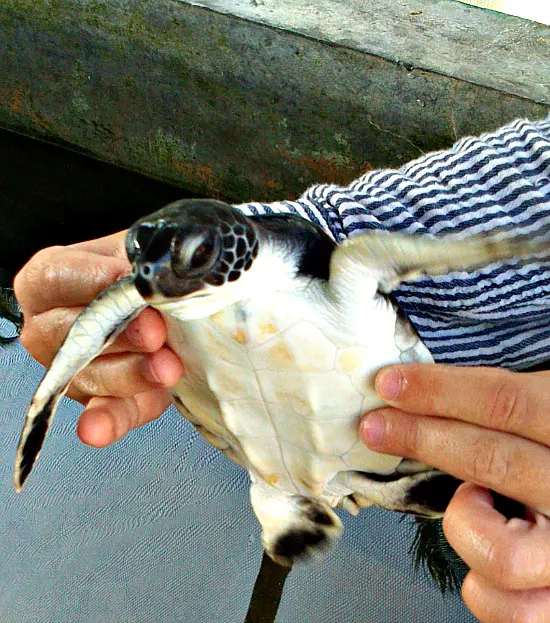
(497,399)
(112,245)
(515,467)
(64,277)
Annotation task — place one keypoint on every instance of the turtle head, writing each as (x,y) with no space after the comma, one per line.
(189,250)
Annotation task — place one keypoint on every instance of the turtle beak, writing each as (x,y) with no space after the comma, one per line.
(156,281)
(148,246)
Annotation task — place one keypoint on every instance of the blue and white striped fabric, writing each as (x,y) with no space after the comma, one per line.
(496,316)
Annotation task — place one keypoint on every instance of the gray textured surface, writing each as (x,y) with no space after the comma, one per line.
(224,106)
(158,529)
(443,36)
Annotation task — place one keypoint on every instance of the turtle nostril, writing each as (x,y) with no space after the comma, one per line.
(146,271)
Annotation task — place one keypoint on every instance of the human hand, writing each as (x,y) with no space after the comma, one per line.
(126,386)
(490,428)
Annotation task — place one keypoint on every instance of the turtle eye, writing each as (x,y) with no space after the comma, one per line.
(203,253)
(197,253)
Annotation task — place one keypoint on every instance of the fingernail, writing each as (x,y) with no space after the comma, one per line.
(148,371)
(389,384)
(481,494)
(373,429)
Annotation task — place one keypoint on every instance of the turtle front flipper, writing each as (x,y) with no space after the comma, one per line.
(294,527)
(92,332)
(383,261)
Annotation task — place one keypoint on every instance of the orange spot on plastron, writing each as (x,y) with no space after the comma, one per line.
(349,361)
(280,353)
(267,328)
(240,336)
(272,479)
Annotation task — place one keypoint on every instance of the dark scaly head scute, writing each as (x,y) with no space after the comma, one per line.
(190,245)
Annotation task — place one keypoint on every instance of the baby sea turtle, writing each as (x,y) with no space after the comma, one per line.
(281,332)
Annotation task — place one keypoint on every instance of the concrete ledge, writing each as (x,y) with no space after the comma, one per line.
(229,107)
(442,36)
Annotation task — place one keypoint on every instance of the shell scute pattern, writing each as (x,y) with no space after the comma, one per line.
(298,434)
(321,396)
(266,458)
(334,438)
(303,382)
(291,396)
(308,470)
(283,359)
(303,346)
(326,439)
(268,326)
(260,426)
(228,347)
(230,384)
(360,455)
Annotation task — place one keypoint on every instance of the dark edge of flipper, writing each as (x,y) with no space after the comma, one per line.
(125,303)
(31,444)
(434,494)
(267,593)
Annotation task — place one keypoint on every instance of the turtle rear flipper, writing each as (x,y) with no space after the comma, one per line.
(294,527)
(425,494)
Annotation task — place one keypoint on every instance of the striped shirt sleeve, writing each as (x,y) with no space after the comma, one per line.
(498,315)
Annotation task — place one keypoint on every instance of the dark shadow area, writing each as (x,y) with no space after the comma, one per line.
(50,195)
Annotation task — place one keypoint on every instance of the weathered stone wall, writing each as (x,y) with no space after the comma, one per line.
(222,105)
